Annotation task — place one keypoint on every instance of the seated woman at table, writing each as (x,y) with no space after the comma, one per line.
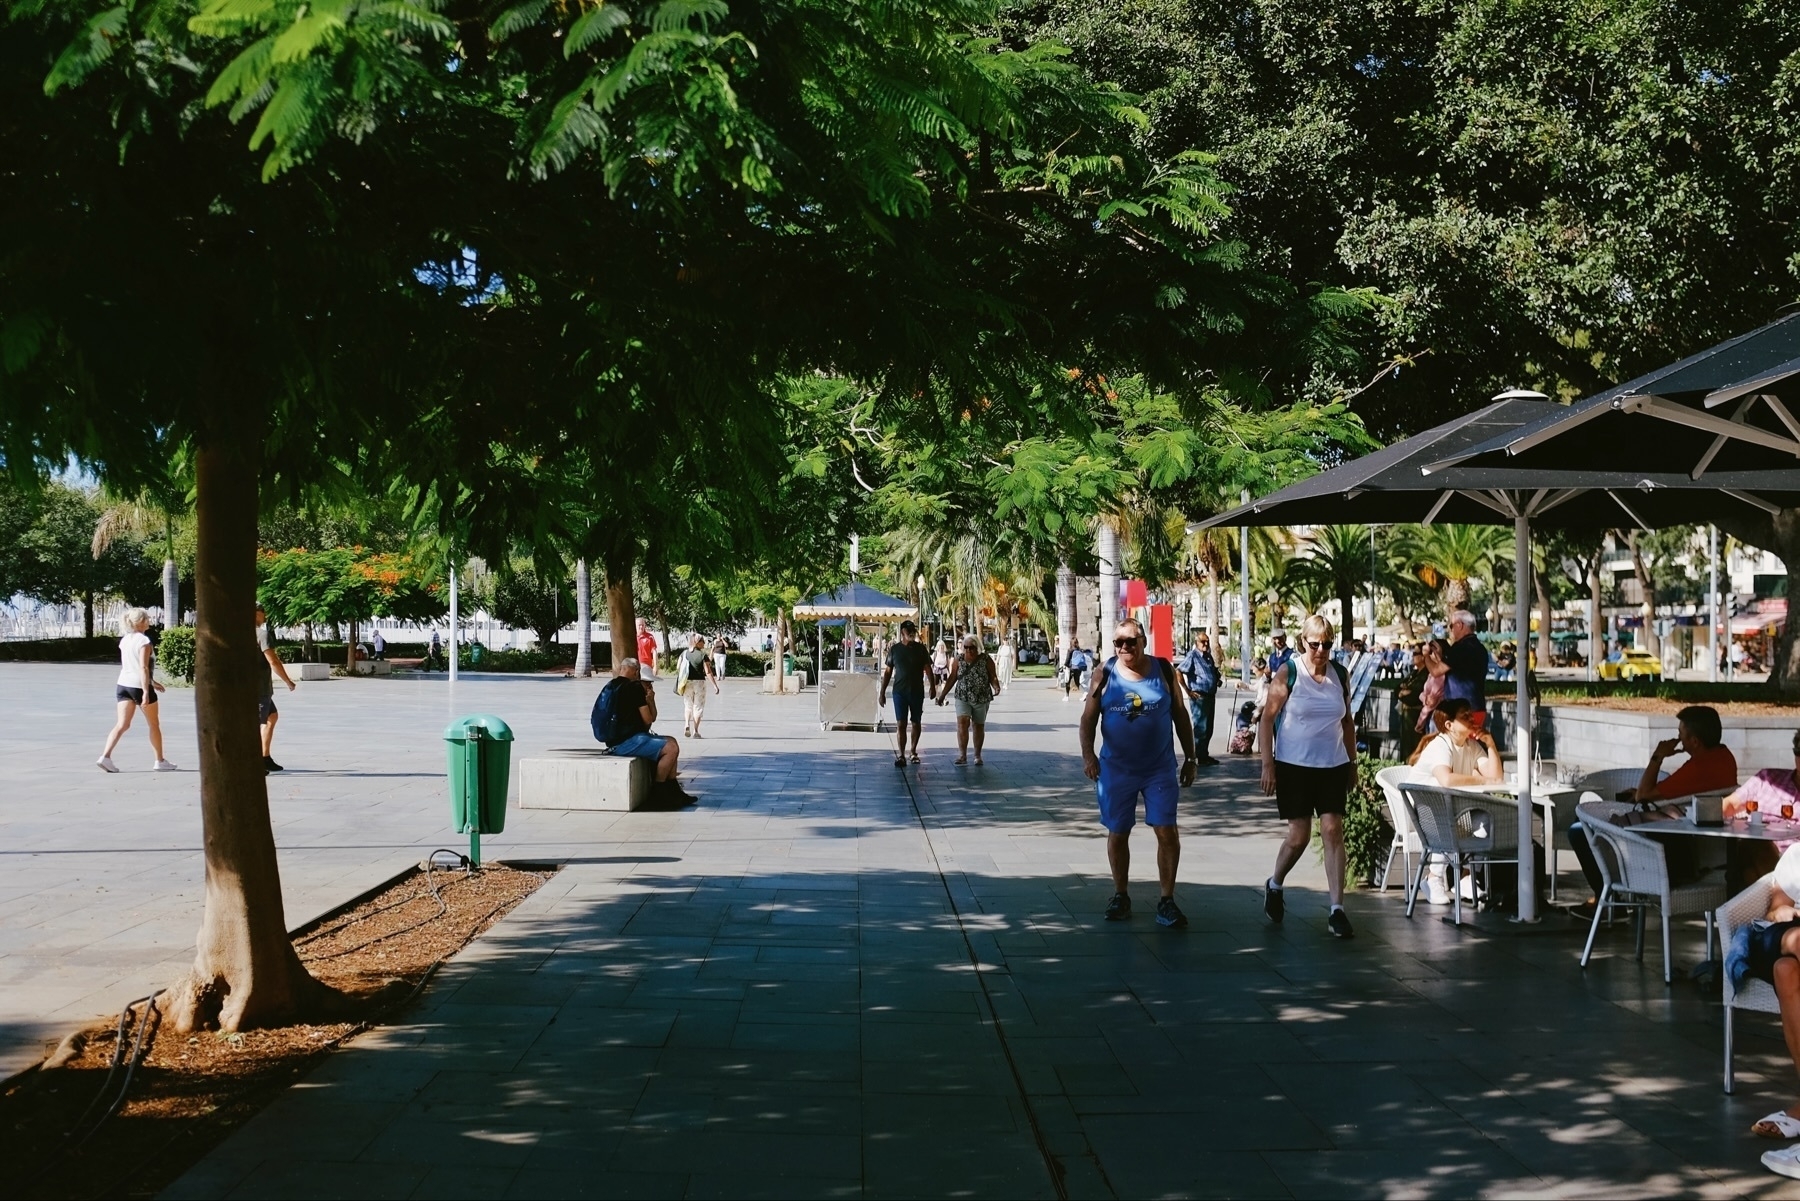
(1770,788)
(1711,767)
(1768,953)
(1460,755)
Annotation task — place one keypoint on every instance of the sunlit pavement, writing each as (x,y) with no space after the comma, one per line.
(836,978)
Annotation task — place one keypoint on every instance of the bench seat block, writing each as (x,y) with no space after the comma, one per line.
(585,780)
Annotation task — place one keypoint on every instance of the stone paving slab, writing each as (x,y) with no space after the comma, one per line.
(836,979)
(101,875)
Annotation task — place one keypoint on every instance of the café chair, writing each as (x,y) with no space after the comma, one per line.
(1635,875)
(1406,842)
(1756,996)
(1461,829)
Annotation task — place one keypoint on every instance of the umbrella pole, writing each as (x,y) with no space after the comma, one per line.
(1522,725)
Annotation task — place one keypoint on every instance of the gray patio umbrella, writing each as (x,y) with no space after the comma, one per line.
(1460,471)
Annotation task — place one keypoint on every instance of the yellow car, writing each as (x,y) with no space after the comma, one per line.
(1633,665)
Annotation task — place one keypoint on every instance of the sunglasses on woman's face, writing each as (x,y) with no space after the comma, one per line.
(1318,646)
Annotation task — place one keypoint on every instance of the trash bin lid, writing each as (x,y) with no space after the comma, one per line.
(491,727)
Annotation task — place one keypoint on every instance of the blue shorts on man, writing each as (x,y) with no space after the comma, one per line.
(640,746)
(1119,791)
(908,706)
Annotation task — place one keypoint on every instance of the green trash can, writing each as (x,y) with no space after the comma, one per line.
(480,762)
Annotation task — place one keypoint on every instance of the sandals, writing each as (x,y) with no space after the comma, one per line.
(1779,1124)
(899,760)
(961,761)
(915,756)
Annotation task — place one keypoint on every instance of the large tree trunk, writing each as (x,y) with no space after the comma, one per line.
(1347,607)
(1065,612)
(1212,614)
(1546,646)
(87,614)
(1456,595)
(1647,582)
(584,619)
(245,971)
(171,594)
(1106,549)
(1779,534)
(621,611)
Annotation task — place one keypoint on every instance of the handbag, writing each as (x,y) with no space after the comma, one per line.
(683,670)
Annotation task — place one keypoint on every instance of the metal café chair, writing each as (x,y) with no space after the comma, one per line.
(1406,838)
(1756,996)
(1635,874)
(1461,829)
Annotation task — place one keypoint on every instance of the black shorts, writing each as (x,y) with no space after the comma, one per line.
(135,695)
(265,709)
(1301,792)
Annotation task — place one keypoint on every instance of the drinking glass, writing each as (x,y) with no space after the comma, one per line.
(1787,811)
(1750,808)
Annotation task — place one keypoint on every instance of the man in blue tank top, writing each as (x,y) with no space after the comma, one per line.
(1135,702)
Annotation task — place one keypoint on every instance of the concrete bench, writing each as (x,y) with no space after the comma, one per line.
(308,671)
(585,778)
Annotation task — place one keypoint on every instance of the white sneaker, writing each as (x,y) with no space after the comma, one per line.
(1436,891)
(164,765)
(1785,1162)
(106,763)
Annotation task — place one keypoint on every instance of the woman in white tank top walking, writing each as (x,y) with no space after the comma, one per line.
(1308,762)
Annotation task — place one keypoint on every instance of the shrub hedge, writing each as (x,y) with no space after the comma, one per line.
(102,649)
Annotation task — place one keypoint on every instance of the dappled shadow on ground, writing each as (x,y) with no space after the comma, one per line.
(888,1031)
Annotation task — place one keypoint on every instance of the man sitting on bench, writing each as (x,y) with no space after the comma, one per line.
(630,702)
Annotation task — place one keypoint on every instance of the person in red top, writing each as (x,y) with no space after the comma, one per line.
(1711,767)
(646,649)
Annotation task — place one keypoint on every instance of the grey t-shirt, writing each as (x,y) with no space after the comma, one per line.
(265,641)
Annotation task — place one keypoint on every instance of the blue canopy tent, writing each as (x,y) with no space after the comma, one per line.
(841,695)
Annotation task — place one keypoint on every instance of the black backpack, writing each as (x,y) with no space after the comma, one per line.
(605,717)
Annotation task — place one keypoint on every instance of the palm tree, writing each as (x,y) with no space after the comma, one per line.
(1337,562)
(1446,557)
(143,517)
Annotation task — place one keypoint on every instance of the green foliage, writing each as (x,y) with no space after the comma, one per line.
(323,587)
(1367,832)
(525,600)
(102,649)
(46,550)
(175,650)
(1558,193)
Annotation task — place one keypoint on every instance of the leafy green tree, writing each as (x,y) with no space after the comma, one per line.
(525,600)
(49,556)
(467,248)
(1554,192)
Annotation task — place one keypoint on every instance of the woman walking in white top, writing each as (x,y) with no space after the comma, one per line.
(1308,762)
(137,689)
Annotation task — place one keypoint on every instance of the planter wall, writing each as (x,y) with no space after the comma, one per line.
(1596,738)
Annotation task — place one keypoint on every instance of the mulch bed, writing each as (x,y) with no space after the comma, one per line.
(1654,704)
(188,1093)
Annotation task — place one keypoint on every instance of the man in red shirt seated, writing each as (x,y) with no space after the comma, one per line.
(1711,767)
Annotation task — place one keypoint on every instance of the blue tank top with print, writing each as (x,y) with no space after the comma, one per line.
(1137,719)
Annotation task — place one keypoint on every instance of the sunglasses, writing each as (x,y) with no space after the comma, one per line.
(1125,642)
(1318,646)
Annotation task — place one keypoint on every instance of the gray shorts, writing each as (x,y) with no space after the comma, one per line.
(975,711)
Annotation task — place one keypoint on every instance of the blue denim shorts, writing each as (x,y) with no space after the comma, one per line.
(1120,788)
(909,705)
(640,746)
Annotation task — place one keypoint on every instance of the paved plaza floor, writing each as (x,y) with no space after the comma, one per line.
(835,978)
